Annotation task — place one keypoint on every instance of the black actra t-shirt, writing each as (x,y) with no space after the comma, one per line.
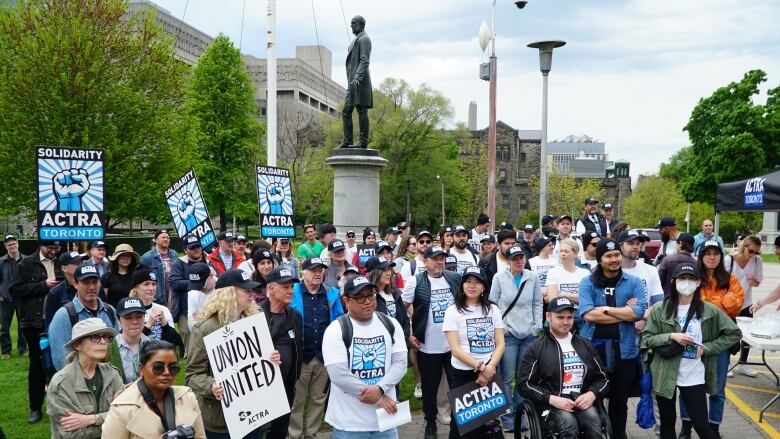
(610,331)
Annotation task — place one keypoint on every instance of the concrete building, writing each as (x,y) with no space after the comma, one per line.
(518,157)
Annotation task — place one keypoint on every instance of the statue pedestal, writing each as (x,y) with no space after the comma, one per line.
(356,189)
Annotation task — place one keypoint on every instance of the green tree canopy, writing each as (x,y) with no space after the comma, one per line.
(221,100)
(81,73)
(566,193)
(732,138)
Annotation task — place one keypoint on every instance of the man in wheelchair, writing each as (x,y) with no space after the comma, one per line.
(562,372)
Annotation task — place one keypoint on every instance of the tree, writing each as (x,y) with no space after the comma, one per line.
(473,165)
(732,138)
(221,100)
(81,73)
(653,198)
(565,193)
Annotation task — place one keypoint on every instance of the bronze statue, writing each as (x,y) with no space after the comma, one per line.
(359,93)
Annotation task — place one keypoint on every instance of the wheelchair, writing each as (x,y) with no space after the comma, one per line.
(529,416)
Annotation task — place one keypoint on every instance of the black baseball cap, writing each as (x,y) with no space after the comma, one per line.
(460,229)
(236,278)
(240,238)
(198,273)
(686,238)
(514,252)
(9,238)
(447,228)
(129,305)
(422,233)
(591,200)
(355,285)
(563,217)
(381,245)
(541,241)
(86,271)
(351,269)
(392,231)
(311,263)
(433,251)
(226,236)
(559,304)
(336,245)
(711,244)
(327,228)
(607,206)
(96,244)
(69,258)
(350,232)
(666,221)
(284,240)
(685,268)
(378,263)
(402,225)
(629,235)
(529,228)
(488,238)
(281,275)
(505,225)
(160,232)
(473,271)
(450,262)
(191,241)
(587,237)
(547,219)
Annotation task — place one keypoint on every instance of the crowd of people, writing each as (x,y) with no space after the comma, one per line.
(569,313)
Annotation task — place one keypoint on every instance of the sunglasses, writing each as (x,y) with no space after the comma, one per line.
(753,252)
(412,243)
(363,299)
(108,338)
(424,241)
(593,244)
(159,368)
(350,236)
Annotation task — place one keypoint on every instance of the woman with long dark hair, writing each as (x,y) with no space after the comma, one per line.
(473,320)
(749,268)
(703,331)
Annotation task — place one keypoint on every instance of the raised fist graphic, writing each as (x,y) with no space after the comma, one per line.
(69,186)
(368,359)
(187,211)
(274,193)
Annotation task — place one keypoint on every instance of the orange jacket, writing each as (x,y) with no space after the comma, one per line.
(729,300)
(215,261)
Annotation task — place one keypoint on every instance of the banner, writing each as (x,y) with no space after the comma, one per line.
(253,388)
(365,251)
(70,194)
(474,406)
(190,216)
(274,199)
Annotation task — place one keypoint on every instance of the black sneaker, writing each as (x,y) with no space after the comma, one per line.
(684,434)
(35,416)
(430,430)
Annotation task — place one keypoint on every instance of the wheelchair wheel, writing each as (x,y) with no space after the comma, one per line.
(605,424)
(528,422)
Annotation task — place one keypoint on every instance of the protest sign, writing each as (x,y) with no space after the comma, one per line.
(70,193)
(253,388)
(474,406)
(190,216)
(365,251)
(274,199)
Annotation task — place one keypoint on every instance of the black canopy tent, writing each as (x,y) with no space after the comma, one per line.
(757,194)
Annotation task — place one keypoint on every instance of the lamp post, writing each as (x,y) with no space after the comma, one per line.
(443,215)
(545,63)
(408,203)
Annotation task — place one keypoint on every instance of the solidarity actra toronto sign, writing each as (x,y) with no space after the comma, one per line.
(274,199)
(188,210)
(70,193)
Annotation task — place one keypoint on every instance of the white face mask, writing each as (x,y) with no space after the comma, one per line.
(686,287)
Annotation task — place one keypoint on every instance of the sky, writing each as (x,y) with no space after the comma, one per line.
(629,75)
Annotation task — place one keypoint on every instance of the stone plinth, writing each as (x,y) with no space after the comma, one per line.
(355,189)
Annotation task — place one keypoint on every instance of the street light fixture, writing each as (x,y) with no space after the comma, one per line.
(443,215)
(545,64)
(408,203)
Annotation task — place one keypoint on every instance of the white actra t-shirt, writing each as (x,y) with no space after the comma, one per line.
(369,359)
(476,332)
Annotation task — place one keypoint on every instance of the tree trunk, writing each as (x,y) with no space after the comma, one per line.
(222,219)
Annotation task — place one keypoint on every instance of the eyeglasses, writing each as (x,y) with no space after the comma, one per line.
(412,243)
(424,241)
(593,244)
(108,338)
(159,368)
(754,252)
(363,299)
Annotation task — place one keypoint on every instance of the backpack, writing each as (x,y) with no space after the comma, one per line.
(74,318)
(346,328)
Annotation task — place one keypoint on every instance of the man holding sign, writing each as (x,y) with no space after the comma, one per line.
(562,372)
(365,353)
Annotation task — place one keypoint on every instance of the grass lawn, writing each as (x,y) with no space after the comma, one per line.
(769,257)
(14,407)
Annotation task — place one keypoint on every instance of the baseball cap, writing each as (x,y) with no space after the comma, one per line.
(402,225)
(327,228)
(587,237)
(392,231)
(68,258)
(236,278)
(629,235)
(85,272)
(226,236)
(351,232)
(563,217)
(528,228)
(447,228)
(87,327)
(686,238)
(191,241)
(666,221)
(547,219)
(355,285)
(9,238)
(591,200)
(433,251)
(198,273)
(382,245)
(141,275)
(514,252)
(505,225)
(473,271)
(311,263)
(711,244)
(460,229)
(559,304)
(378,263)
(541,241)
(685,268)
(240,238)
(351,269)
(450,262)
(422,233)
(96,244)
(281,275)
(49,242)
(160,232)
(483,219)
(607,206)
(284,240)
(606,245)
(336,245)
(488,238)
(129,305)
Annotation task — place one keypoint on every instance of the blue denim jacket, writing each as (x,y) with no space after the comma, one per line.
(628,287)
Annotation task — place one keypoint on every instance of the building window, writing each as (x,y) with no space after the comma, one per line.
(502,153)
(523,203)
(522,157)
(505,202)
(502,176)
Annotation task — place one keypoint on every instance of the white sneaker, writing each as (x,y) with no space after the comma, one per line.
(445,420)
(748,372)
(730,374)
(418,391)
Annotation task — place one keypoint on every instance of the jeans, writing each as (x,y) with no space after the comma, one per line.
(36,376)
(696,398)
(431,367)
(387,434)
(7,310)
(509,368)
(568,425)
(718,400)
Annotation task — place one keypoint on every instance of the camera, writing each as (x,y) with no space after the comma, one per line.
(181,431)
(521,3)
